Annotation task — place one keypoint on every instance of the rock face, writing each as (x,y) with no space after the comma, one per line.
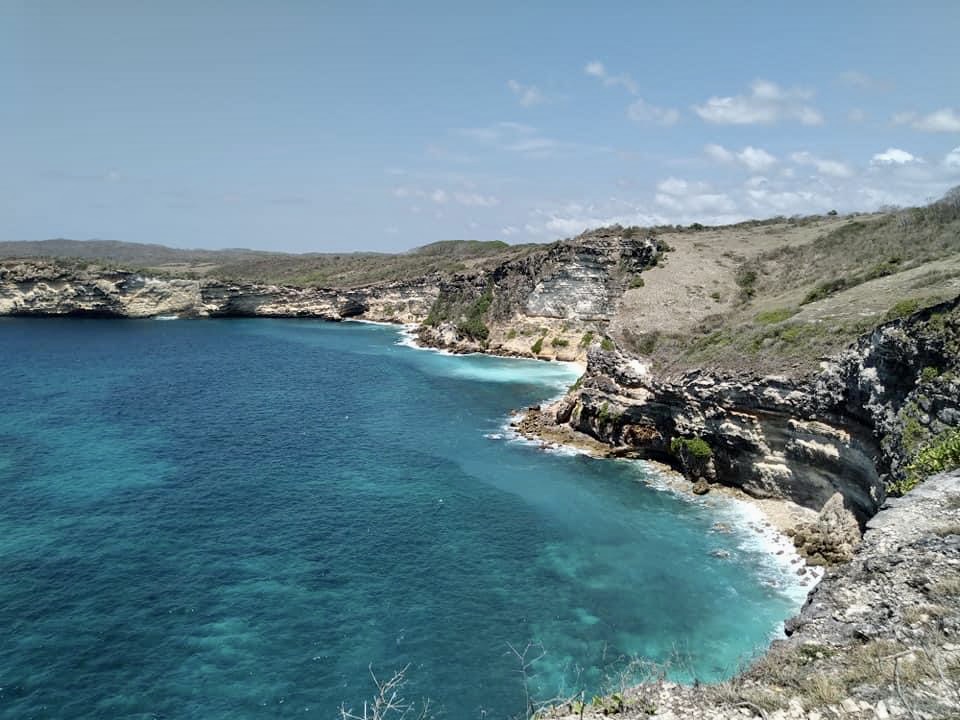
(554,295)
(848,429)
(830,540)
(543,304)
(43,289)
(879,636)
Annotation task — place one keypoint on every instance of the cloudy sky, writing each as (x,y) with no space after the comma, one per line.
(318,126)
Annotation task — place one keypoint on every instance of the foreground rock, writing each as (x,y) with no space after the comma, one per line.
(879,637)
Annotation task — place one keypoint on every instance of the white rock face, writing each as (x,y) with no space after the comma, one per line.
(41,288)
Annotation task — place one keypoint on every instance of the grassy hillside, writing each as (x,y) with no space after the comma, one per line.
(319,269)
(777,296)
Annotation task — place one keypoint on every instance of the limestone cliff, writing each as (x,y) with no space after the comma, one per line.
(548,304)
(851,428)
(42,288)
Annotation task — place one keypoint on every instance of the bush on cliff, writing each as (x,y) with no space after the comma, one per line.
(695,447)
(939,455)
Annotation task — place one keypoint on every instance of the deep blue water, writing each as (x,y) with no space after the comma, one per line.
(233,519)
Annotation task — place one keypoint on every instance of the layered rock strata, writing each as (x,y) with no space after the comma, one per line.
(39,288)
(546,303)
(848,429)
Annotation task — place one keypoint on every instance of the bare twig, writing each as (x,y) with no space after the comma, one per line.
(389,703)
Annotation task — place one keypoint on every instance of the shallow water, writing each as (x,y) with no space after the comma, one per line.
(231,519)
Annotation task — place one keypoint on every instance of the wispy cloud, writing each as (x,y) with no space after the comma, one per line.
(642,111)
(766,104)
(598,70)
(752,158)
(863,81)
(523,139)
(527,95)
(943,120)
(894,156)
(639,110)
(833,168)
(441,196)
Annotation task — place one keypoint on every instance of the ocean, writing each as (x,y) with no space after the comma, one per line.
(245,518)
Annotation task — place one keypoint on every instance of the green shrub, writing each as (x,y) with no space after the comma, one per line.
(559,342)
(825,290)
(903,308)
(607,344)
(746,279)
(606,415)
(637,282)
(644,343)
(929,374)
(474,327)
(586,339)
(769,317)
(537,346)
(939,455)
(512,334)
(472,323)
(696,447)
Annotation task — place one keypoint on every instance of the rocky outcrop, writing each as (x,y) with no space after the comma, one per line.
(879,636)
(545,303)
(848,429)
(41,288)
(832,538)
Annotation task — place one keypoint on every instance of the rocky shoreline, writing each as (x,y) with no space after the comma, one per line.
(878,638)
(817,454)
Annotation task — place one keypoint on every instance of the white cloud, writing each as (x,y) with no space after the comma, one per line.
(531,145)
(440,196)
(943,120)
(754,159)
(642,111)
(766,104)
(718,153)
(673,186)
(862,81)
(596,69)
(834,168)
(894,156)
(476,199)
(509,230)
(523,139)
(952,158)
(528,95)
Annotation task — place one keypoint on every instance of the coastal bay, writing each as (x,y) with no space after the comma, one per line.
(239,517)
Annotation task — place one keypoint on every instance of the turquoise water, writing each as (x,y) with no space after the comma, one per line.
(233,519)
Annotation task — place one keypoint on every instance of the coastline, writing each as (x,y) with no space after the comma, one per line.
(781,514)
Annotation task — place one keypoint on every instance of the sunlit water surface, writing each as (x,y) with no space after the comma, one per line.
(233,519)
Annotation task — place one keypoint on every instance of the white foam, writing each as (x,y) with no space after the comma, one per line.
(754,534)
(166,317)
(371,322)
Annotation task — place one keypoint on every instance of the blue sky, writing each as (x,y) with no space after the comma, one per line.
(322,126)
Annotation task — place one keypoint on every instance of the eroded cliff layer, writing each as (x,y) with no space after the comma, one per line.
(42,288)
(852,428)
